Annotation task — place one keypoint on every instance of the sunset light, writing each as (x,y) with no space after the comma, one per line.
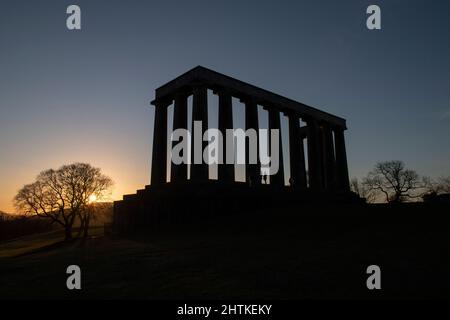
(92,198)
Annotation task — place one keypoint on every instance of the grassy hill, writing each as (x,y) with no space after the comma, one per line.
(282,255)
(36,242)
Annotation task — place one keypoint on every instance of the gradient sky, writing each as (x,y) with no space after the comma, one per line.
(84,95)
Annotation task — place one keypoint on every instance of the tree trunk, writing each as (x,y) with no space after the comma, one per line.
(82,222)
(68,233)
(398,197)
(86,226)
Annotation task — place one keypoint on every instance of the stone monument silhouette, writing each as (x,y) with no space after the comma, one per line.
(196,196)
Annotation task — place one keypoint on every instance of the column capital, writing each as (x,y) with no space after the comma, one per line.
(222,90)
(292,113)
(248,100)
(273,107)
(161,103)
(311,123)
(326,125)
(197,85)
(338,128)
(181,95)
(304,131)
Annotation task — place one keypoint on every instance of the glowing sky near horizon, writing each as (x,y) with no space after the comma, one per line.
(84,96)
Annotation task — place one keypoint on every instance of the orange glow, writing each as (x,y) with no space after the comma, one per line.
(92,198)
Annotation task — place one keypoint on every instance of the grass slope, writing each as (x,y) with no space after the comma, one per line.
(280,256)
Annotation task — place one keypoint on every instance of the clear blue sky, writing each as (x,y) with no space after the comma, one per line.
(84,96)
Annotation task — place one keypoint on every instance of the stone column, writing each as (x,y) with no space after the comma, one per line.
(179,171)
(296,152)
(225,171)
(159,155)
(199,171)
(276,179)
(314,155)
(329,158)
(341,160)
(252,171)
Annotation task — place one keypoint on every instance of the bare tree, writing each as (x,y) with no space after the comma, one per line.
(443,185)
(393,181)
(92,186)
(434,187)
(63,195)
(361,190)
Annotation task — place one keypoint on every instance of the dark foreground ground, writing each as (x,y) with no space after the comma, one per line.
(309,253)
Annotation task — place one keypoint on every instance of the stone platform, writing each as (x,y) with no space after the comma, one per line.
(178,203)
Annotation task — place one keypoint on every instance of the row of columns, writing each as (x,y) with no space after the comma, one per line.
(327,160)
